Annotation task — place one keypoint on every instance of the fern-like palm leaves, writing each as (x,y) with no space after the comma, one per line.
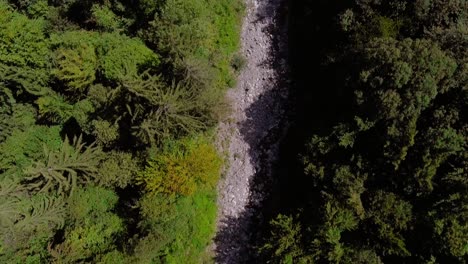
(169,110)
(10,196)
(62,170)
(42,210)
(22,216)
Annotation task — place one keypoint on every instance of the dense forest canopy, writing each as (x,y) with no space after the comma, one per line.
(106,110)
(382,100)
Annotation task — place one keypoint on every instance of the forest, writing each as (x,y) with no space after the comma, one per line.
(108,114)
(375,168)
(107,110)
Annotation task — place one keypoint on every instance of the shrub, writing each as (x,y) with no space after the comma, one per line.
(117,170)
(76,67)
(23,147)
(105,19)
(204,30)
(182,167)
(93,226)
(180,229)
(22,40)
(118,56)
(196,216)
(238,62)
(91,202)
(24,51)
(172,111)
(123,56)
(105,132)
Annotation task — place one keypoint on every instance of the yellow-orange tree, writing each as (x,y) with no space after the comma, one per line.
(182,167)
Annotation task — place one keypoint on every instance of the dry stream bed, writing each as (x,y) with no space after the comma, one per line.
(250,136)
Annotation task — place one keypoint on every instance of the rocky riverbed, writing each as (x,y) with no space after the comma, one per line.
(250,136)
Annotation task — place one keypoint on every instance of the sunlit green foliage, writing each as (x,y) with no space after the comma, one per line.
(198,30)
(118,169)
(179,208)
(195,227)
(114,256)
(27,223)
(23,43)
(118,56)
(62,170)
(105,132)
(180,229)
(54,107)
(23,147)
(161,110)
(89,95)
(93,226)
(24,53)
(105,19)
(123,56)
(77,67)
(38,9)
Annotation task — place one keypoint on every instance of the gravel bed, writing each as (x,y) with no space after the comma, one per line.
(250,136)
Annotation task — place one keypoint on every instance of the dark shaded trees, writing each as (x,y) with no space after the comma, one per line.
(386,179)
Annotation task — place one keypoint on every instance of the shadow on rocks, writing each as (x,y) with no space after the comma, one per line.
(240,237)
